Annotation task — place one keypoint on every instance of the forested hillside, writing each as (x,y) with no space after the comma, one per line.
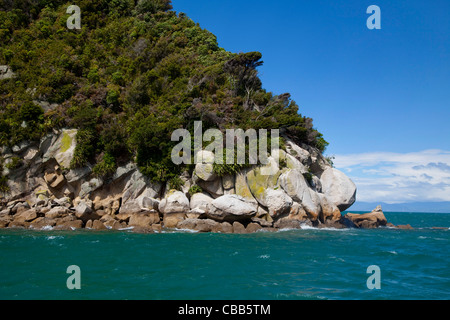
(134,73)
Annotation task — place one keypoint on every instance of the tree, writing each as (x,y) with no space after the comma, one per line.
(245,78)
(153,6)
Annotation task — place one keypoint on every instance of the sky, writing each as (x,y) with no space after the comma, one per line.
(380,97)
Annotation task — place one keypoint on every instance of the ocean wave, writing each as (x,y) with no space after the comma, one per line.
(186,230)
(54,237)
(306,227)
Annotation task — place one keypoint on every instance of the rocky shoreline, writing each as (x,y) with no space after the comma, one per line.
(66,218)
(302,189)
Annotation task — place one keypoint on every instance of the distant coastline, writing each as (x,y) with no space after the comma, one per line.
(419,207)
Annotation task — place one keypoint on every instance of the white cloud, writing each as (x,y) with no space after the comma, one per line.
(399,177)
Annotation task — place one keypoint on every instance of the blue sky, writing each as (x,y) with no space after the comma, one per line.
(382,95)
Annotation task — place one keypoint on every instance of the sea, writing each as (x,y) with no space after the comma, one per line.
(307,264)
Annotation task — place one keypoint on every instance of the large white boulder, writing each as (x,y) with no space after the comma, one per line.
(231,208)
(204,169)
(296,186)
(278,202)
(200,201)
(174,202)
(339,188)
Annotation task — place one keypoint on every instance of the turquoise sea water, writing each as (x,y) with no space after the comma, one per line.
(296,264)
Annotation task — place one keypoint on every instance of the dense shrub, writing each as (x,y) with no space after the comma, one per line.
(133,74)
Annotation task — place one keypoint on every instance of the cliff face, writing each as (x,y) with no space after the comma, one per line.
(302,188)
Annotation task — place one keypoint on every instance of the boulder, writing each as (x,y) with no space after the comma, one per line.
(204,168)
(226,227)
(84,212)
(239,228)
(62,150)
(200,225)
(98,225)
(144,219)
(296,186)
(138,185)
(242,189)
(56,212)
(253,227)
(78,174)
(214,187)
(83,207)
(130,207)
(330,212)
(258,181)
(90,186)
(26,216)
(69,225)
(228,182)
(115,225)
(175,202)
(277,201)
(339,188)
(196,214)
(286,223)
(62,202)
(172,220)
(231,208)
(408,227)
(124,170)
(5,219)
(265,222)
(293,219)
(299,153)
(20,207)
(200,201)
(370,220)
(50,179)
(43,223)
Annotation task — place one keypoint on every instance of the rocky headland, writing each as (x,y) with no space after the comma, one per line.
(303,189)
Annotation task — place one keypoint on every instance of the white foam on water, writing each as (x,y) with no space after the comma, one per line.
(126,229)
(264,256)
(306,227)
(54,237)
(287,229)
(187,230)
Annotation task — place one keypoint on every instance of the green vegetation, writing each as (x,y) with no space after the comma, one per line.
(3,180)
(195,189)
(14,163)
(134,73)
(106,166)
